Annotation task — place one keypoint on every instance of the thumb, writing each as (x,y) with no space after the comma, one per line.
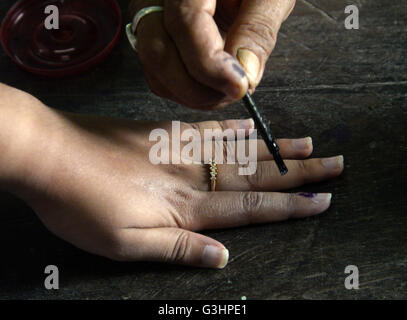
(253,35)
(172,245)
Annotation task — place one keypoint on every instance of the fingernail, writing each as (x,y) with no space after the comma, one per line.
(333,163)
(245,124)
(301,144)
(317,197)
(250,63)
(215,257)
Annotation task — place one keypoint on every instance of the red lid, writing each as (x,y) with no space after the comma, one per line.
(88,31)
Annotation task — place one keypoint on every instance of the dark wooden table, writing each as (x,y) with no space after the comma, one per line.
(345,88)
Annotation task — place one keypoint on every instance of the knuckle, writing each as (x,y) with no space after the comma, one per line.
(256,180)
(289,205)
(176,169)
(180,248)
(302,165)
(176,17)
(262,32)
(303,168)
(251,203)
(180,206)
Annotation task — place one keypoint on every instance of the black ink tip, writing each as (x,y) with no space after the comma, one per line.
(280,164)
(265,133)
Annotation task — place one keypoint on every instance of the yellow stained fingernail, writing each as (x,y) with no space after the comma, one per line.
(250,63)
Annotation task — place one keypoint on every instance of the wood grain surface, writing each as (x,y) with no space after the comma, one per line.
(345,88)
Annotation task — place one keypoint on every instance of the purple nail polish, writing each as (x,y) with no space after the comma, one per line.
(307,194)
(317,197)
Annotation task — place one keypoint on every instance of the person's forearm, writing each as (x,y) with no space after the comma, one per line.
(18,131)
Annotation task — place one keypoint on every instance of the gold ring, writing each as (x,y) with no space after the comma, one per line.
(213,171)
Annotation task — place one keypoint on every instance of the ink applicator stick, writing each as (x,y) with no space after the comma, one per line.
(265,132)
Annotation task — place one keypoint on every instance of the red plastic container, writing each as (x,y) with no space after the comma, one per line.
(88,31)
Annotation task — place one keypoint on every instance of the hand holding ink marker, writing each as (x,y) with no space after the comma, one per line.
(265,133)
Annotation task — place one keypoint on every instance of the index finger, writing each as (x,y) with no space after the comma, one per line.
(253,35)
(191,25)
(226,209)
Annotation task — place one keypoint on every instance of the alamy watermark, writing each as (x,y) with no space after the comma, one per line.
(352,281)
(52,20)
(190,147)
(51,282)
(352,20)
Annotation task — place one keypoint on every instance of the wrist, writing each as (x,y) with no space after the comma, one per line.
(19,132)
